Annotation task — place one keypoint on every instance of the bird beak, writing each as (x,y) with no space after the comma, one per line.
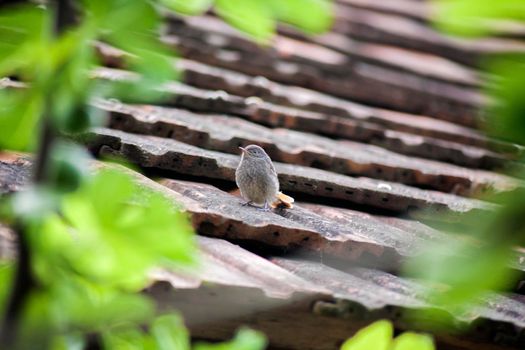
(242,149)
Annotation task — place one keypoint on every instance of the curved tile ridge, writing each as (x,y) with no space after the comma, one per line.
(256,110)
(168,154)
(345,157)
(224,263)
(378,290)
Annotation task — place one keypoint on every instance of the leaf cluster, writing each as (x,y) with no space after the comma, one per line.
(259,18)
(93,254)
(379,336)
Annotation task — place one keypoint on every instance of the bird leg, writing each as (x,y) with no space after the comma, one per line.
(266,207)
(248,203)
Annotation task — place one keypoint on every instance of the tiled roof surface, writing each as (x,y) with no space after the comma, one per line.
(371,127)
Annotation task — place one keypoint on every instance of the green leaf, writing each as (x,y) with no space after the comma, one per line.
(22,31)
(68,166)
(312,16)
(6,276)
(68,342)
(20,111)
(129,228)
(473,17)
(72,63)
(83,305)
(245,339)
(491,236)
(254,17)
(413,341)
(121,18)
(130,338)
(377,336)
(169,333)
(188,7)
(507,117)
(37,325)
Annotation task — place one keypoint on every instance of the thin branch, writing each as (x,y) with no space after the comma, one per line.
(24,282)
(22,285)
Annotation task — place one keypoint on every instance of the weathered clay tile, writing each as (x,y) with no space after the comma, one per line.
(423,65)
(288,146)
(411,62)
(209,77)
(224,263)
(168,154)
(410,228)
(15,171)
(357,80)
(377,290)
(412,34)
(265,113)
(236,83)
(255,109)
(213,310)
(7,242)
(219,214)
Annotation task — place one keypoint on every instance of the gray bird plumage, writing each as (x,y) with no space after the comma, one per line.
(256,177)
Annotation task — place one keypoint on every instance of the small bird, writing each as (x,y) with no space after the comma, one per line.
(256,177)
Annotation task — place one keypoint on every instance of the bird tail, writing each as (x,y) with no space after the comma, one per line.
(282,201)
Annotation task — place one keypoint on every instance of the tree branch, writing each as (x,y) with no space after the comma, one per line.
(24,282)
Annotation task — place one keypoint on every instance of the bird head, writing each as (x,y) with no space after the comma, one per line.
(253,151)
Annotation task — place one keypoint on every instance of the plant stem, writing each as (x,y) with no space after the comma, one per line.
(22,285)
(47,136)
(24,282)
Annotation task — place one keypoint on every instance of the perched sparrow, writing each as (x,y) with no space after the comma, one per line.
(256,177)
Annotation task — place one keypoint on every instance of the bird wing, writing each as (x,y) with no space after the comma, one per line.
(271,168)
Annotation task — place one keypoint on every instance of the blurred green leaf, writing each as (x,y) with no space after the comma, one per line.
(115,17)
(22,32)
(68,342)
(254,17)
(245,339)
(127,227)
(473,17)
(68,166)
(377,336)
(480,259)
(137,34)
(188,7)
(20,111)
(6,275)
(72,63)
(470,278)
(80,304)
(37,327)
(129,338)
(507,117)
(312,16)
(413,341)
(169,333)
(91,259)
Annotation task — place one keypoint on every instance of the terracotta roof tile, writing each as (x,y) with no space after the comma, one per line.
(168,154)
(358,129)
(346,157)
(361,81)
